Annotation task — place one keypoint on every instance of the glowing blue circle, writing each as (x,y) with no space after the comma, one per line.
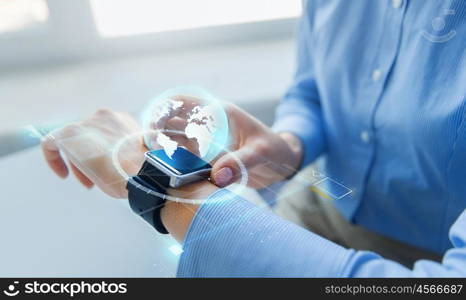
(236,190)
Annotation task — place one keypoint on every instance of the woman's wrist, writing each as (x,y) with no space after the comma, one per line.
(296,149)
(177,216)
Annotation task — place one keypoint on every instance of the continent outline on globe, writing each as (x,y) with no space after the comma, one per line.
(198,108)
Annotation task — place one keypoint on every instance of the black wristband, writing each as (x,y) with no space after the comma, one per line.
(142,196)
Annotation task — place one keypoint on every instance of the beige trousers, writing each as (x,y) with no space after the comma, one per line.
(300,205)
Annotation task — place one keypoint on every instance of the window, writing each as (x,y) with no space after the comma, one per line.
(116,18)
(16,15)
(79,29)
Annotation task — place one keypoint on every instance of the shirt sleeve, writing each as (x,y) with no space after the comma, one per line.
(367,264)
(299,111)
(234,238)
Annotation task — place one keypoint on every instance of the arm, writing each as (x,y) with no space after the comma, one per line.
(227,235)
(299,113)
(235,238)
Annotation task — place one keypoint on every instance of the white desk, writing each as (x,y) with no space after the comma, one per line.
(50,227)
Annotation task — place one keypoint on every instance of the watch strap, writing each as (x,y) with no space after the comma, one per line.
(145,202)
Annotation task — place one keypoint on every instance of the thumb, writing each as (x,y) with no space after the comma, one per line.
(226,169)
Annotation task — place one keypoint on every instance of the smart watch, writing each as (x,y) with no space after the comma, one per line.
(147,190)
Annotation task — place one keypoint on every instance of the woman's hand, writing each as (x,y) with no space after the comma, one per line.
(88,146)
(267,156)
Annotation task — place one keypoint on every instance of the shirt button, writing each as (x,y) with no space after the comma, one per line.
(365,137)
(376,75)
(396,3)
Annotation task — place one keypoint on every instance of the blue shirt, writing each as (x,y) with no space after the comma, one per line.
(234,238)
(380,92)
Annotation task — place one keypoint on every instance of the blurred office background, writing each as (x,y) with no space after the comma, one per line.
(62,60)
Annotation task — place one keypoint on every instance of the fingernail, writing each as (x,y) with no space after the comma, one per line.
(223,177)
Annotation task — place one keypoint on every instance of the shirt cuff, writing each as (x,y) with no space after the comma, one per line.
(234,238)
(308,130)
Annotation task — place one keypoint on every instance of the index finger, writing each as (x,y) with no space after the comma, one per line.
(53,157)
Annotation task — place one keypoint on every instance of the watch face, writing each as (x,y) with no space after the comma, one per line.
(182,161)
